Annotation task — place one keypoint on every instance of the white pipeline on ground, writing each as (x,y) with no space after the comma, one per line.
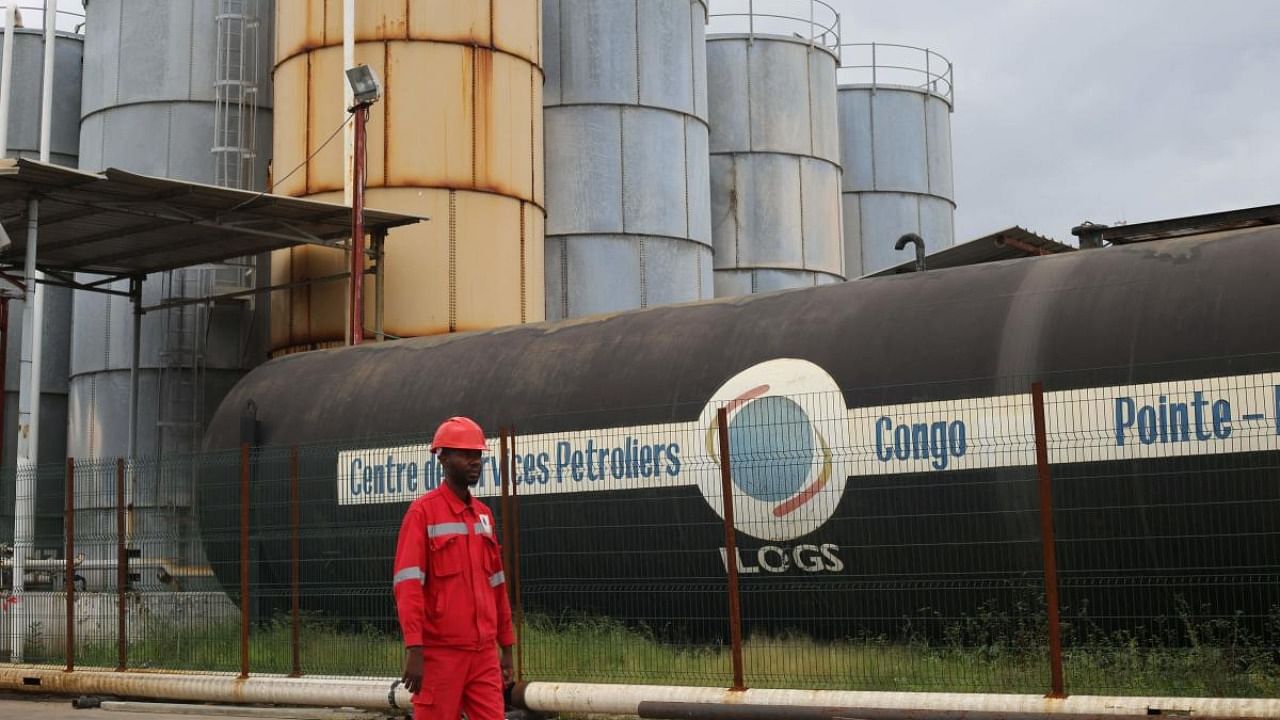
(591,698)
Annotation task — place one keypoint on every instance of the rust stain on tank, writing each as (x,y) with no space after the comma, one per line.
(482,119)
(392,25)
(481,94)
(321,37)
(483,153)
(306,115)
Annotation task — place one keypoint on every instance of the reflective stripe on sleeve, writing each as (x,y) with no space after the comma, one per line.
(449,528)
(497,579)
(412,573)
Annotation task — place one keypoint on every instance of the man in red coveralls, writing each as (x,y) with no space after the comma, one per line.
(450,590)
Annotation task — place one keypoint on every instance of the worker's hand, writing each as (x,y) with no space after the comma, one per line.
(508,666)
(412,678)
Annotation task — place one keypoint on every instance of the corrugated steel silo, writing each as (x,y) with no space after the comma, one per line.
(628,193)
(24,102)
(150,106)
(156,86)
(895,136)
(457,136)
(775,146)
(24,141)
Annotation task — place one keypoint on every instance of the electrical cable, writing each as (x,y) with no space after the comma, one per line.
(323,145)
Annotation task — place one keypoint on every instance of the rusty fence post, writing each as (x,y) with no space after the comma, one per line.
(244,561)
(1048,543)
(516,594)
(505,466)
(731,551)
(122,574)
(69,525)
(295,569)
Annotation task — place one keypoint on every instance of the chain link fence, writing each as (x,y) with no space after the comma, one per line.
(1110,540)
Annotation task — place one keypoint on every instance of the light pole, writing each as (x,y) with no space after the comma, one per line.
(366,89)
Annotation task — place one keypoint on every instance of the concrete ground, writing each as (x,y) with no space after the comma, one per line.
(40,707)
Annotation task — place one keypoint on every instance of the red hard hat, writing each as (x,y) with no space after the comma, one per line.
(458,433)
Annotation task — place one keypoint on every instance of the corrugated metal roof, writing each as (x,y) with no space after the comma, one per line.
(1181,226)
(120,223)
(1008,244)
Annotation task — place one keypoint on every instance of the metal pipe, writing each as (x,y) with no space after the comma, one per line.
(238,712)
(361,693)
(348,99)
(46,88)
(135,297)
(135,375)
(380,290)
(916,240)
(592,698)
(709,711)
(731,551)
(389,693)
(24,504)
(1057,688)
(6,75)
(166,567)
(357,230)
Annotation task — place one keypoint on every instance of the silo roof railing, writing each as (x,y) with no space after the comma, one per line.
(811,21)
(896,66)
(31,16)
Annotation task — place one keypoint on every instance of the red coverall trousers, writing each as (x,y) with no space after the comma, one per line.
(457,681)
(451,596)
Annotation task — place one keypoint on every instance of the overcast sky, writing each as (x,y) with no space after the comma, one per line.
(1106,110)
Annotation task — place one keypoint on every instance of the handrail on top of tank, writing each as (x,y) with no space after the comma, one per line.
(932,73)
(775,18)
(31,17)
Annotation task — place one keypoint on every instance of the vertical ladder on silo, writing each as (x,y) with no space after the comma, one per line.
(235,93)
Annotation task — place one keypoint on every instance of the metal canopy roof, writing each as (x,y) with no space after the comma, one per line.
(1007,244)
(121,223)
(1179,227)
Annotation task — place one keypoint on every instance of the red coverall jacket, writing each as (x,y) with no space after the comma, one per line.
(449,586)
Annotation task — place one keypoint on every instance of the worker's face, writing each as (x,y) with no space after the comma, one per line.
(462,466)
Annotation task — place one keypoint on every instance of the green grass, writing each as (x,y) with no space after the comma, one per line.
(980,654)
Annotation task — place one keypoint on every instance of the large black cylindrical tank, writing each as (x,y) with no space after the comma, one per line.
(1140,533)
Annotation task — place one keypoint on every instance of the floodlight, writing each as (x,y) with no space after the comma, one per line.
(364,83)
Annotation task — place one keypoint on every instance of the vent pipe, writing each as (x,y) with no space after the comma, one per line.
(916,240)
(1090,234)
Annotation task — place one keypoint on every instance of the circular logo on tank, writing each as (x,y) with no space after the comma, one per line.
(784,416)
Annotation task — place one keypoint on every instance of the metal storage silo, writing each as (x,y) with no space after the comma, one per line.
(895,138)
(157,79)
(775,147)
(457,136)
(628,193)
(179,90)
(23,140)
